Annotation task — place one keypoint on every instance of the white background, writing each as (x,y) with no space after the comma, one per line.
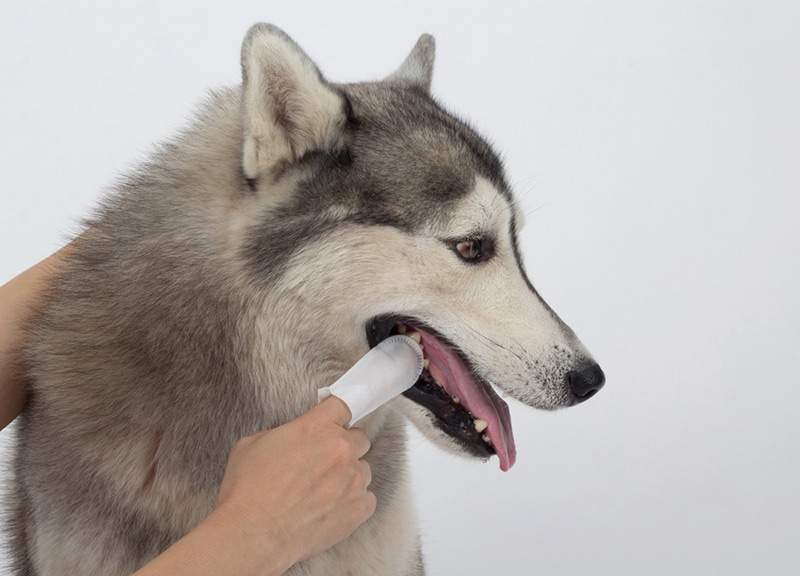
(656,148)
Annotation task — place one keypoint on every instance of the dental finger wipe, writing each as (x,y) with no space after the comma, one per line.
(387,370)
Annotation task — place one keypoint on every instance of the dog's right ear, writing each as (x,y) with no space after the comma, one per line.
(417,69)
(288,107)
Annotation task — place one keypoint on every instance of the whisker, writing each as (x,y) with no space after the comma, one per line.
(489,340)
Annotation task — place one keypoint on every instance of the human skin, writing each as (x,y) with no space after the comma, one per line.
(18,299)
(287,494)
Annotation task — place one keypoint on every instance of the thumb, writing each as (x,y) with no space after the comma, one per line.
(332,409)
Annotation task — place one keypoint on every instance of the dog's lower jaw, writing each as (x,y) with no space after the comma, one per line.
(365,552)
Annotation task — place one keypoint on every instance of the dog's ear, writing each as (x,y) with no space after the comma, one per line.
(288,107)
(417,69)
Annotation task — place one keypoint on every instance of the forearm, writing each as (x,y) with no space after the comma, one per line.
(17,300)
(222,544)
(288,493)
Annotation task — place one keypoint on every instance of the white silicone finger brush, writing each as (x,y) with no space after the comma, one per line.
(387,370)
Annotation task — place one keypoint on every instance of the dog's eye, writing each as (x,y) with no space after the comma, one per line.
(473,250)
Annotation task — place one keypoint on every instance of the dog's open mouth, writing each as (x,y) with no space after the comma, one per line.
(465,406)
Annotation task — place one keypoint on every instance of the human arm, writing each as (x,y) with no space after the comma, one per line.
(288,493)
(18,298)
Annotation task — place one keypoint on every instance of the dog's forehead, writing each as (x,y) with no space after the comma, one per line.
(411,119)
(412,153)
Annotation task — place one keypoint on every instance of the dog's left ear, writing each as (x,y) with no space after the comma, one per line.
(417,68)
(288,107)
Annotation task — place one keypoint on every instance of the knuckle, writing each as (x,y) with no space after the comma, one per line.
(341,449)
(310,427)
(367,475)
(370,504)
(360,435)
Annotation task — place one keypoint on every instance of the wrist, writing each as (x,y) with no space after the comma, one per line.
(226,542)
(268,548)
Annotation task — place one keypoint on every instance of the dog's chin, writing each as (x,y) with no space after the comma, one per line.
(450,403)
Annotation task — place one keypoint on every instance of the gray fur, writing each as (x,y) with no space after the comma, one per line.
(417,69)
(208,299)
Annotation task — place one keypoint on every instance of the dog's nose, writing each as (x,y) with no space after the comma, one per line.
(585,381)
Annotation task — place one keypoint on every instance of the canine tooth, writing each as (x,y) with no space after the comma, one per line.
(456,400)
(426,363)
(415,337)
(401,328)
(486,439)
(480,425)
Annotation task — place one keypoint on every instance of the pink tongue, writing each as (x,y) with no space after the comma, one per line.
(482,401)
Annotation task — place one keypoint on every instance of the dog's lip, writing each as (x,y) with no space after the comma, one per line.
(477,399)
(477,396)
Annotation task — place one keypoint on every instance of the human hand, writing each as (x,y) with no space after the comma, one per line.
(303,484)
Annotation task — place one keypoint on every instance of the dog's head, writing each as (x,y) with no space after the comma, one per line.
(387,214)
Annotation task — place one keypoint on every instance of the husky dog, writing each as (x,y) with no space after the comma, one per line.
(251,261)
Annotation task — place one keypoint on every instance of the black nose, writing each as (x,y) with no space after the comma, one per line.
(585,381)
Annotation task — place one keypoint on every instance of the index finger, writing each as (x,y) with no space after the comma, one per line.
(332,409)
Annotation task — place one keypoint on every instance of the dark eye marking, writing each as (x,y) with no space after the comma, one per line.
(472,250)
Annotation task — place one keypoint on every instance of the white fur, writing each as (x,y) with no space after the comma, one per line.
(192,265)
(488,310)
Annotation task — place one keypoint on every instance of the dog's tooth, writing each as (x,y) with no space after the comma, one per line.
(401,328)
(486,439)
(439,384)
(480,425)
(426,363)
(415,337)
(456,400)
